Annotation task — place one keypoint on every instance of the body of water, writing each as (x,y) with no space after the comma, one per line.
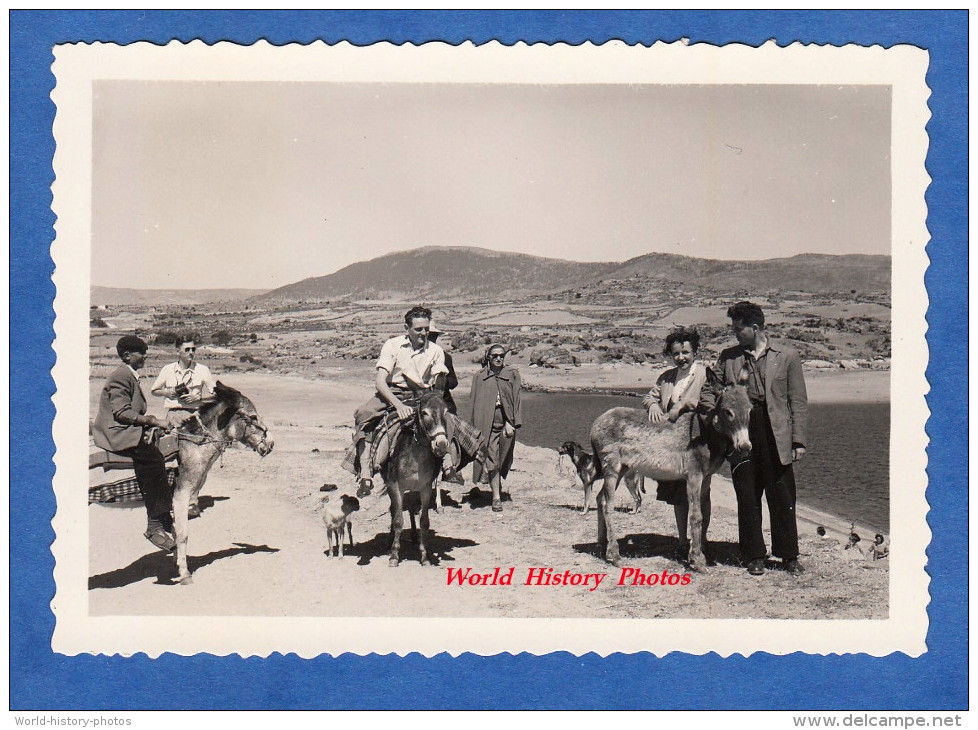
(845,471)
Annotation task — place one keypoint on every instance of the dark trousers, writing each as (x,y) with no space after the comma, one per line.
(150,468)
(764,474)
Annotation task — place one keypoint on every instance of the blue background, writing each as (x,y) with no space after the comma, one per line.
(40,679)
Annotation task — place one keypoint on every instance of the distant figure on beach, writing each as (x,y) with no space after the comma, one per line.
(879,549)
(120,427)
(497,413)
(406,362)
(677,391)
(778,431)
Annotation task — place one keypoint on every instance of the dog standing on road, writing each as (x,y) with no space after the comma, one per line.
(336,516)
(589,470)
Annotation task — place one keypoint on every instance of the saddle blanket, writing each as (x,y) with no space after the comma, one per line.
(125,489)
(465,435)
(168,444)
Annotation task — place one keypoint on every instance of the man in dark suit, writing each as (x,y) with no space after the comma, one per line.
(119,428)
(778,433)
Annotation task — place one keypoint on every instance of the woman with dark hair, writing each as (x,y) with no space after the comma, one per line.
(675,392)
(496,412)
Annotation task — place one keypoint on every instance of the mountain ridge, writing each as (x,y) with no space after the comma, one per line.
(433,272)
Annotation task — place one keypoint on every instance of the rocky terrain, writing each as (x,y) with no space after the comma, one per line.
(608,315)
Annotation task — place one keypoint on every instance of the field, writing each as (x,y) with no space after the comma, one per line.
(579,327)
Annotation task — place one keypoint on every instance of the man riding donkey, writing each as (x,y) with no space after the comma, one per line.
(122,425)
(408,364)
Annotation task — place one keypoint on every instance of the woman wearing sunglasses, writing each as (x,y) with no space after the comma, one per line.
(496,412)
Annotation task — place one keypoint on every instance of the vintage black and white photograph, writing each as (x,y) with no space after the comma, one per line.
(563,336)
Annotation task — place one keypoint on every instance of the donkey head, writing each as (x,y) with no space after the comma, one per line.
(239,420)
(732,417)
(431,415)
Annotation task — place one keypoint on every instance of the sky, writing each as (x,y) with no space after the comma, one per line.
(259,185)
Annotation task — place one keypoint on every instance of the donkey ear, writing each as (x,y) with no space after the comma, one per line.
(227,394)
(225,418)
(711,377)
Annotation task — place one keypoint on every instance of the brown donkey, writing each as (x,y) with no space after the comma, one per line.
(413,465)
(627,444)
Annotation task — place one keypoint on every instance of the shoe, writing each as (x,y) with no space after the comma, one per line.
(161,539)
(193,512)
(756,567)
(793,566)
(366,487)
(497,505)
(453,477)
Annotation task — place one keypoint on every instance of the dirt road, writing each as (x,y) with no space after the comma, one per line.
(258,547)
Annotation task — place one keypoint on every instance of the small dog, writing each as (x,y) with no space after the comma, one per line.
(589,470)
(336,515)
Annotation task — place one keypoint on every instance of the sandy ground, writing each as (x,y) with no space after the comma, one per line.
(258,548)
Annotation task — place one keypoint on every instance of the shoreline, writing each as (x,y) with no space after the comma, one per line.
(350,384)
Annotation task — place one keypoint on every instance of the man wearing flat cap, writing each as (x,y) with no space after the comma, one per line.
(119,427)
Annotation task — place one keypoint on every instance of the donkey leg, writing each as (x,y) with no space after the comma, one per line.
(602,527)
(607,511)
(694,483)
(632,482)
(706,508)
(397,524)
(193,510)
(425,524)
(181,502)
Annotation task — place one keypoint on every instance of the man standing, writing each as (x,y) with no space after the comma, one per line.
(775,384)
(119,427)
(184,385)
(406,363)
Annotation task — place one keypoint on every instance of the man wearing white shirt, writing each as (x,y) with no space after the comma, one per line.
(184,385)
(407,363)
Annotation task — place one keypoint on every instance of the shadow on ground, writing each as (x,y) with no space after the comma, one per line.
(440,547)
(162,566)
(653,545)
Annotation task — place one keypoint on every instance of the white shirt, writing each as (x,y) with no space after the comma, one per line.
(679,389)
(406,365)
(197,378)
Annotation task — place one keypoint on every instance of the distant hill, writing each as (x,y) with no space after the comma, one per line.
(446,272)
(805,272)
(164,297)
(433,273)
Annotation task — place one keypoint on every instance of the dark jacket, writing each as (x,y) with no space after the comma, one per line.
(485,385)
(484,388)
(784,392)
(451,382)
(121,413)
